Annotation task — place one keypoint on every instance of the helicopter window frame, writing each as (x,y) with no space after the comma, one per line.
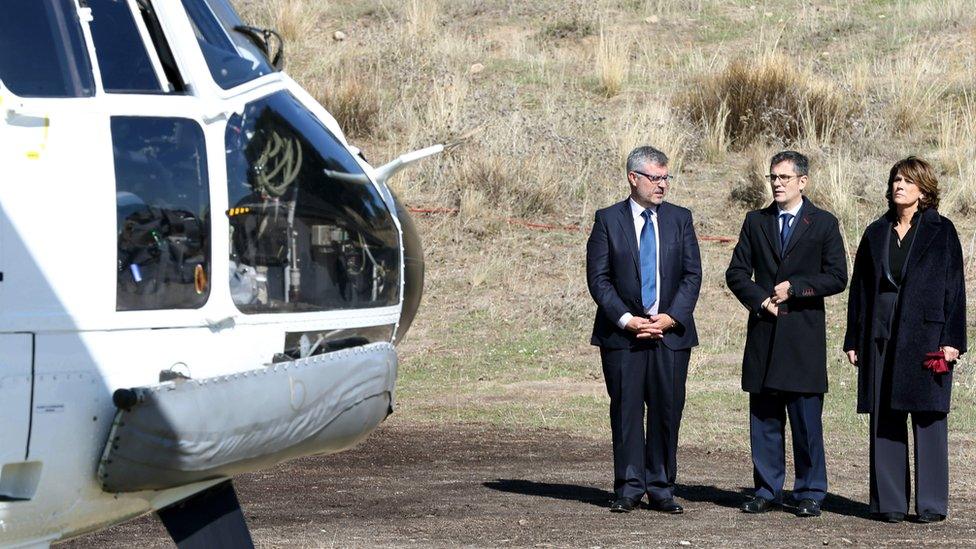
(71,55)
(163,207)
(109,42)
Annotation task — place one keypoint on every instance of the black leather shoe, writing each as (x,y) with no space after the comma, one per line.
(624,505)
(808,508)
(668,506)
(893,518)
(927,517)
(757,504)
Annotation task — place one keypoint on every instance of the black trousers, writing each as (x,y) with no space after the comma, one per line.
(890,476)
(767,425)
(653,377)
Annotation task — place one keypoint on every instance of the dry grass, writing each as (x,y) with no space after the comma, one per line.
(955,154)
(917,87)
(650,121)
(354,104)
(612,62)
(752,190)
(715,139)
(295,20)
(768,99)
(422,17)
(834,185)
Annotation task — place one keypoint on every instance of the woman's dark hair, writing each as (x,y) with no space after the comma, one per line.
(920,173)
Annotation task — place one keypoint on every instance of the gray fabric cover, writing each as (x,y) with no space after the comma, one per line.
(192,430)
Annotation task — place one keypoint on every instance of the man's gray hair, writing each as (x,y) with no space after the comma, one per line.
(644,155)
(801,164)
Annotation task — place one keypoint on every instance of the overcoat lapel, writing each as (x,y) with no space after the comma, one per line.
(928,225)
(626,221)
(878,244)
(803,222)
(770,228)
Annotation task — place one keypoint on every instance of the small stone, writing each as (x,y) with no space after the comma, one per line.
(826,542)
(339,36)
(522,522)
(684,543)
(652,20)
(476,68)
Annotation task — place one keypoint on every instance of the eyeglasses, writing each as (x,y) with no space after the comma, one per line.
(655,178)
(780,176)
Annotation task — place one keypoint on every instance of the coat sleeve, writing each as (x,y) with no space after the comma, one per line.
(598,270)
(738,276)
(954,332)
(856,296)
(832,278)
(683,305)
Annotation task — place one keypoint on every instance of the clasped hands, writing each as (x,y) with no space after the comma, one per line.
(651,328)
(781,293)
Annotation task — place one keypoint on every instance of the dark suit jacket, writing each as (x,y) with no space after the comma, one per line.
(788,352)
(932,312)
(613,275)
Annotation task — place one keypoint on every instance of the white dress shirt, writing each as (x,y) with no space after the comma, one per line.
(792,211)
(637,210)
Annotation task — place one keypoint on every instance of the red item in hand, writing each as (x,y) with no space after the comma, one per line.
(936,362)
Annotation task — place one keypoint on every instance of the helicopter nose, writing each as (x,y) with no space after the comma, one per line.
(413,270)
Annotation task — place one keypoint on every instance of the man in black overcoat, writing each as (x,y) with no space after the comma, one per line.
(643,269)
(790,255)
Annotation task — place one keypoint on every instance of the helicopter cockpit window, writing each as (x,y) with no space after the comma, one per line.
(309,232)
(42,50)
(123,60)
(163,213)
(232,57)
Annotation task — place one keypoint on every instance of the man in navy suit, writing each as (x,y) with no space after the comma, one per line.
(789,257)
(643,269)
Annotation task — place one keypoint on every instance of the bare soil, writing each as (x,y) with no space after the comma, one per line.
(452,485)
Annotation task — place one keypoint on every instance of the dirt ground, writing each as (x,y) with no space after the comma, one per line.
(411,485)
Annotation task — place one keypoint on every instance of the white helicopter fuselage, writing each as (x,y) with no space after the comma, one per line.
(77,319)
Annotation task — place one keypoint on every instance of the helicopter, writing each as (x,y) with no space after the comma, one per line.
(199,275)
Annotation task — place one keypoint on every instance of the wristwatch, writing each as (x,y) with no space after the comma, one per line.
(790,292)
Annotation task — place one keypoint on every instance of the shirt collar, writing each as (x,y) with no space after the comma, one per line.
(636,209)
(793,211)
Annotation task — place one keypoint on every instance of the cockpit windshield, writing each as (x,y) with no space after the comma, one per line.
(232,57)
(42,50)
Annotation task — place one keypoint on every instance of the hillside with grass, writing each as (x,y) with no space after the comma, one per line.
(540,101)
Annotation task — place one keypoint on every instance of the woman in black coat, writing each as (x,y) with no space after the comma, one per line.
(907,299)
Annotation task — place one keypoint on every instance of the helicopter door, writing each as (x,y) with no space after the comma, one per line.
(16,378)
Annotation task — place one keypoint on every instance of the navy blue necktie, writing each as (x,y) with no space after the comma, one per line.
(785,231)
(648,261)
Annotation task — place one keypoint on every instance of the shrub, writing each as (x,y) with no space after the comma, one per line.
(770,99)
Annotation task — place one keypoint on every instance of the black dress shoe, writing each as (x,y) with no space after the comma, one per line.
(624,505)
(808,508)
(757,504)
(893,518)
(928,517)
(668,506)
